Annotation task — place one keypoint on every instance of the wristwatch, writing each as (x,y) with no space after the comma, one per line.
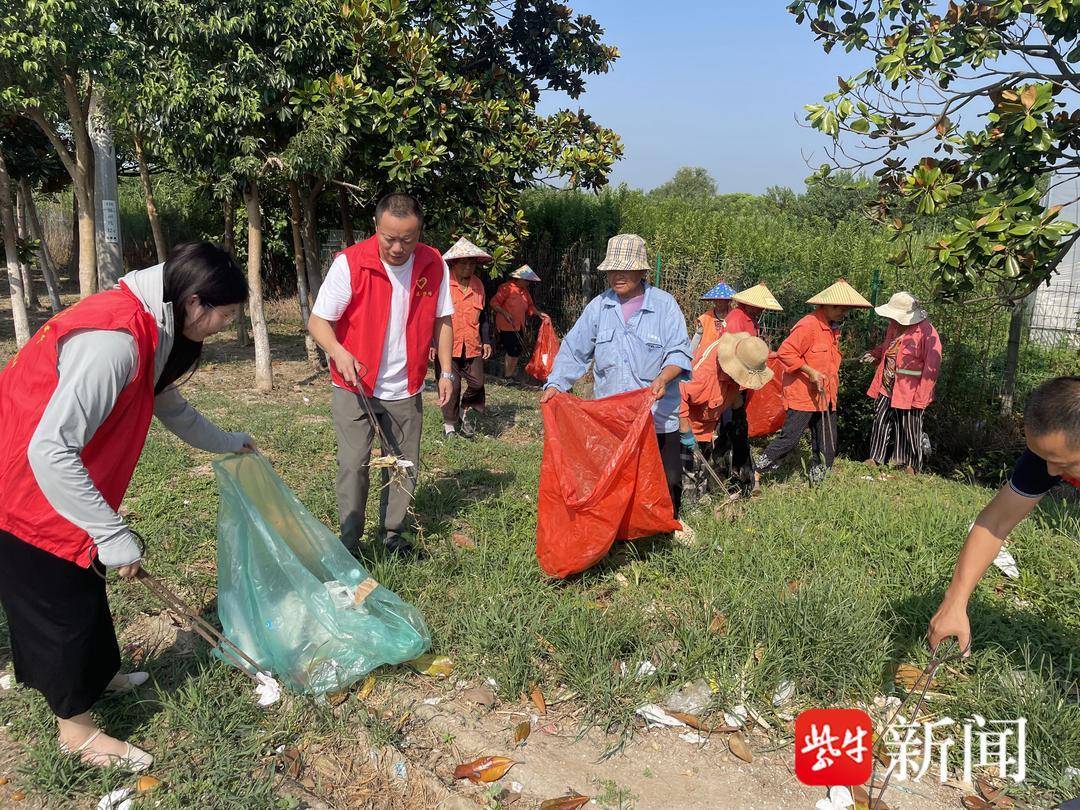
(448,375)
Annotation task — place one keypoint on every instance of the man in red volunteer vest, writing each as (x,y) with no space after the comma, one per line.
(382,303)
(1052,429)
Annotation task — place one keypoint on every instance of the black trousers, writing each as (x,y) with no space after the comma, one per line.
(671,456)
(62,638)
(822,426)
(742,465)
(468,370)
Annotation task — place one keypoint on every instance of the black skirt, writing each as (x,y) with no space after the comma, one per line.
(63,642)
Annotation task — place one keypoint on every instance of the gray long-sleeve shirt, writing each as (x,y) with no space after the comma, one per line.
(93,367)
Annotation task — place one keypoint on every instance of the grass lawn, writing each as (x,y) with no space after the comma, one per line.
(828,588)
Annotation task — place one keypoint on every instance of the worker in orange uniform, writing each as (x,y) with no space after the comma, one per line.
(512,304)
(472,339)
(747,307)
(811,358)
(709,392)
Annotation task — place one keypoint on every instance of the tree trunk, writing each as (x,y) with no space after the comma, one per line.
(311,243)
(73,259)
(1012,358)
(80,167)
(160,245)
(230,245)
(11,254)
(346,221)
(264,375)
(22,232)
(38,233)
(295,218)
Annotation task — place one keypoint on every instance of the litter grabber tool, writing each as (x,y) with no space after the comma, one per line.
(918,693)
(214,637)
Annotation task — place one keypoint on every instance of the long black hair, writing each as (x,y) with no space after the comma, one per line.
(210,272)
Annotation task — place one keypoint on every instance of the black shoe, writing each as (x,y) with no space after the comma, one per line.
(399,546)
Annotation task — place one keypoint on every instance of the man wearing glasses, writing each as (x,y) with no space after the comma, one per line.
(382,302)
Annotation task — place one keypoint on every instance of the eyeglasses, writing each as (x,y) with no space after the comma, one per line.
(229,319)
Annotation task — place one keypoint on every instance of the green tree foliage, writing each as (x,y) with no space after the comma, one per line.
(932,68)
(52,55)
(690,183)
(833,198)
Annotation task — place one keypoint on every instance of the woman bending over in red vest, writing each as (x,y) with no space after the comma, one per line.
(75,408)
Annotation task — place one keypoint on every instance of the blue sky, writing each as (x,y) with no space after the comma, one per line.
(716,84)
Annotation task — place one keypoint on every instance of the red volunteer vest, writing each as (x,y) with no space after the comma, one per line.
(362,327)
(27,384)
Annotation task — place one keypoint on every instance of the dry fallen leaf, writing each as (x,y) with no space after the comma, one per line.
(907,675)
(987,791)
(3,781)
(538,701)
(718,625)
(485,769)
(337,698)
(290,763)
(480,695)
(18,796)
(572,802)
(463,540)
(437,666)
(695,722)
(739,747)
(146,783)
(793,586)
(975,803)
(367,688)
(522,732)
(859,794)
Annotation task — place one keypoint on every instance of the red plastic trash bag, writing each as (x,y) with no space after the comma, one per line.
(543,357)
(765,411)
(601,480)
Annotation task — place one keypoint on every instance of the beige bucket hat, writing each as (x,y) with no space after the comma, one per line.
(464,249)
(840,294)
(744,359)
(758,296)
(625,252)
(902,308)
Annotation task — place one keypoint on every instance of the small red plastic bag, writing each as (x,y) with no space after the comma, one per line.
(543,357)
(765,411)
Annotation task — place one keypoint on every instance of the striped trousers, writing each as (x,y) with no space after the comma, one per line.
(899,431)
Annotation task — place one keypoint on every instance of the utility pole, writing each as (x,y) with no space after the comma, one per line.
(110,252)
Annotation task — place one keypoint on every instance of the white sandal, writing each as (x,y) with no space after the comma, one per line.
(131,681)
(133,759)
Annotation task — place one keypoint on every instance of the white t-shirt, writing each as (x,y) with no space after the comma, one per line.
(392,381)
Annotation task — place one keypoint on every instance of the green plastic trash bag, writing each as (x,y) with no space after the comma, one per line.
(292,597)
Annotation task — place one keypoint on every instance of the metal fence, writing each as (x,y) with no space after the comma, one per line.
(966,419)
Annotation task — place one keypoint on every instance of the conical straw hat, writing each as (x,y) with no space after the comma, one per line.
(840,294)
(758,296)
(525,273)
(464,249)
(721,292)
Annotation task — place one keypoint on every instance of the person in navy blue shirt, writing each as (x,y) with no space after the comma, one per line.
(1052,457)
(634,335)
